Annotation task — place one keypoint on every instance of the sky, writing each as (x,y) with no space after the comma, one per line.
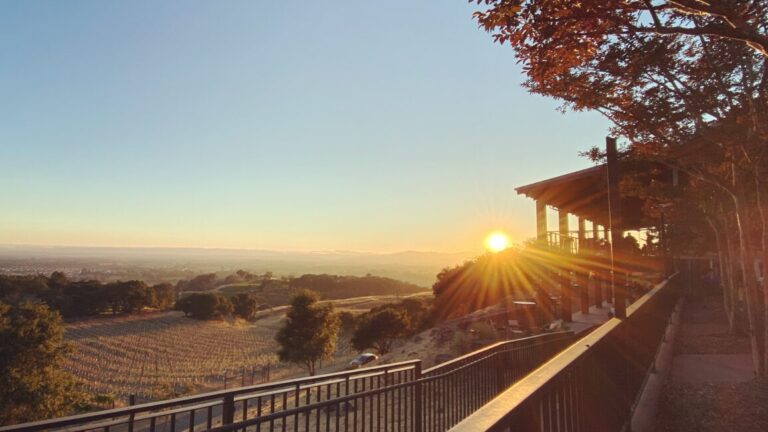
(334,125)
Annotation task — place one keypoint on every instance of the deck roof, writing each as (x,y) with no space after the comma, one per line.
(584,194)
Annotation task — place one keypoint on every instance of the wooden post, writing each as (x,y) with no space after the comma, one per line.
(597,290)
(562,224)
(541,222)
(544,304)
(595,232)
(584,292)
(131,402)
(582,274)
(566,308)
(616,225)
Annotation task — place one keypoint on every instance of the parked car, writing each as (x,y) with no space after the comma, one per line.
(362,360)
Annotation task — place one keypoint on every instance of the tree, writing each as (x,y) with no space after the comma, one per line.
(203,282)
(685,82)
(581,26)
(347,321)
(204,306)
(310,332)
(379,330)
(245,305)
(33,383)
(82,298)
(165,295)
(129,296)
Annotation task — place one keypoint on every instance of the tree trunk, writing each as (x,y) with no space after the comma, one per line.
(756,324)
(764,258)
(728,306)
(730,264)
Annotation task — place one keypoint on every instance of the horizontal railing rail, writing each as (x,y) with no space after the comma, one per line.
(218,407)
(592,385)
(439,398)
(395,397)
(465,384)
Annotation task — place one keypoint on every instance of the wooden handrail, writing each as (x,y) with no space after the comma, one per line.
(498,410)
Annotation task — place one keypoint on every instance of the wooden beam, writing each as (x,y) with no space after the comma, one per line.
(614,209)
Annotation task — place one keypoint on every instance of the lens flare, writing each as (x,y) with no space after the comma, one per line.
(497,241)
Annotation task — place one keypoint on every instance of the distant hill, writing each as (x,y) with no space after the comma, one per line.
(337,287)
(171,264)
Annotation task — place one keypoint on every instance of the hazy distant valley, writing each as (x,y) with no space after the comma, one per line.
(155,265)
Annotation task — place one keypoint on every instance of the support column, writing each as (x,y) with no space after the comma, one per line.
(597,289)
(582,277)
(614,203)
(562,225)
(541,222)
(566,307)
(595,232)
(564,279)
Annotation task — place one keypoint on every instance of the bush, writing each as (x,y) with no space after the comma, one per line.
(484,331)
(379,329)
(204,306)
(348,321)
(245,305)
(461,343)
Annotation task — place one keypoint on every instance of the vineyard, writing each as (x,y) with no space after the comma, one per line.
(163,355)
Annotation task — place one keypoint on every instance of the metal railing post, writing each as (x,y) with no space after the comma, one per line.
(228,409)
(418,409)
(131,402)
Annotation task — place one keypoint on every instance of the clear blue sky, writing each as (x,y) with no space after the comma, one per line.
(373,126)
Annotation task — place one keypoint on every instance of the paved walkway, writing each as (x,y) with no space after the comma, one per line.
(711,386)
(699,357)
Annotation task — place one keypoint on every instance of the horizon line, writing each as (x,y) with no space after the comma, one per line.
(309,251)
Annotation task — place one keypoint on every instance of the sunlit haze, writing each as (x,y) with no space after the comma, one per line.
(365,126)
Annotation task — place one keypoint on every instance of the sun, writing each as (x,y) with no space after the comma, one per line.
(497,241)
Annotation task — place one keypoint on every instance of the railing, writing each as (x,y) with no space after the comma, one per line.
(208,410)
(592,385)
(439,398)
(396,397)
(455,389)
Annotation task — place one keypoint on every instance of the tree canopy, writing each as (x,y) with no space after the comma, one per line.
(245,305)
(310,332)
(33,383)
(204,306)
(379,329)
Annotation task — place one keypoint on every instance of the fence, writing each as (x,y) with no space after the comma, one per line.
(396,397)
(592,385)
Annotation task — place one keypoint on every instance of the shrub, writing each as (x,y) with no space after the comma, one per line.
(204,306)
(245,305)
(379,329)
